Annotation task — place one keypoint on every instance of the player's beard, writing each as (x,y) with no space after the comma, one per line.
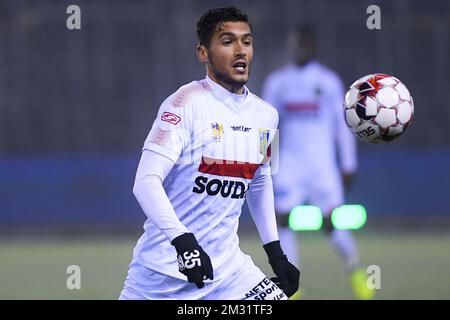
(224,77)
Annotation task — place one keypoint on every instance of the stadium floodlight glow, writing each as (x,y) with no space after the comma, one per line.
(349,217)
(305,218)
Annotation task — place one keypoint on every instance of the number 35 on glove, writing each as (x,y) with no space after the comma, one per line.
(193,261)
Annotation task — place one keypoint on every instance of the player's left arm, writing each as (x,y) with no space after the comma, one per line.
(260,200)
(346,142)
(260,196)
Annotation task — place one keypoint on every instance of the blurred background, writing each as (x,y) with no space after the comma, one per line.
(77,105)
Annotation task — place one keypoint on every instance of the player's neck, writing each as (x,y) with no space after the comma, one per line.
(303,63)
(233,89)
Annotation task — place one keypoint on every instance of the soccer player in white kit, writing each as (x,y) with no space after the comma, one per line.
(208,150)
(309,99)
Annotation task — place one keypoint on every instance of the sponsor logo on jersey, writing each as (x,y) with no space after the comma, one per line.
(225,188)
(265,290)
(302,106)
(303,109)
(224,168)
(217,131)
(170,118)
(240,128)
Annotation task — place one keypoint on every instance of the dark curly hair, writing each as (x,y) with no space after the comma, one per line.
(208,22)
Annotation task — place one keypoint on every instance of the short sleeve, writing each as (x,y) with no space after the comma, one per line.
(171,130)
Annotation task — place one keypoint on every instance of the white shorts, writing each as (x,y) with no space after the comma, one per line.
(245,283)
(322,188)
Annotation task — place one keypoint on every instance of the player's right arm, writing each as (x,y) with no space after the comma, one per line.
(170,133)
(153,168)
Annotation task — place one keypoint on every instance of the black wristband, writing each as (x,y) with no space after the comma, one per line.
(273,250)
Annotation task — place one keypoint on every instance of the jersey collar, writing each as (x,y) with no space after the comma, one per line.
(311,64)
(232,100)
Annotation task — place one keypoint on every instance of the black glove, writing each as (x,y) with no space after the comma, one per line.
(193,262)
(288,276)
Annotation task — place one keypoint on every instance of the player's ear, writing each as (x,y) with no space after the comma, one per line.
(202,54)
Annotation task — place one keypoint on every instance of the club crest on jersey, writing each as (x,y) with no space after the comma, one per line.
(217,131)
(263,141)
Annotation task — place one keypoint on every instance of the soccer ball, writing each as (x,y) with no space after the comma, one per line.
(378,108)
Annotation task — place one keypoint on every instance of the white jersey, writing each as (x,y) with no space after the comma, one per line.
(309,100)
(218,141)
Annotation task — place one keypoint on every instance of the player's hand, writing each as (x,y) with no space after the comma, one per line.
(193,262)
(287,275)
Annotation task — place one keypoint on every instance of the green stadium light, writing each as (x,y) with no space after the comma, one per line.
(349,217)
(303,218)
